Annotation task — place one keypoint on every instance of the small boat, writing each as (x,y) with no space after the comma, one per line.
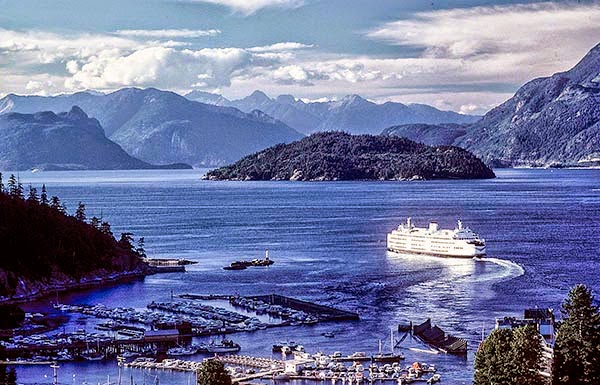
(387,357)
(181,351)
(92,356)
(226,346)
(435,378)
(328,334)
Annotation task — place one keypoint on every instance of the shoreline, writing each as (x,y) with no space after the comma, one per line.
(65,287)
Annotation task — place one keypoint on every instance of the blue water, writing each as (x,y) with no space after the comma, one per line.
(328,241)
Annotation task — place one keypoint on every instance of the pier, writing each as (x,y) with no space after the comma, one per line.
(261,303)
(325,313)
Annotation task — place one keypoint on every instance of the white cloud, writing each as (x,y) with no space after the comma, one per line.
(534,39)
(249,7)
(168,33)
(164,67)
(468,59)
(283,46)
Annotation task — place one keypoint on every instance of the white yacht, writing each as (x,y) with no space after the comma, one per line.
(461,242)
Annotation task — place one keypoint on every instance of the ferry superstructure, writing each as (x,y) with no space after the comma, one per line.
(461,242)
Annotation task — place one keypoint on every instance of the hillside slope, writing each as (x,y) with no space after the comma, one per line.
(45,249)
(550,121)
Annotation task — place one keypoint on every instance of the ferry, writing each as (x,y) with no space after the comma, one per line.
(461,242)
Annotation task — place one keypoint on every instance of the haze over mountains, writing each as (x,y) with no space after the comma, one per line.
(162,127)
(352,114)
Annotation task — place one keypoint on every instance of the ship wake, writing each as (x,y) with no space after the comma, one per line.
(509,269)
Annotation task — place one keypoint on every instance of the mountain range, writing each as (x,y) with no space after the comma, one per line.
(352,114)
(163,127)
(552,121)
(68,140)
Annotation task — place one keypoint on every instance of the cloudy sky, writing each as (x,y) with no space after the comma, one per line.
(464,55)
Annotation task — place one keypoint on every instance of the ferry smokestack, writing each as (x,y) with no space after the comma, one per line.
(433,226)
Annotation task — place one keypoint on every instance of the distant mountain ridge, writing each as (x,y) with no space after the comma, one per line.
(67,140)
(163,127)
(352,114)
(430,134)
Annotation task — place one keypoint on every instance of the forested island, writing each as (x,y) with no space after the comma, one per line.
(44,249)
(332,156)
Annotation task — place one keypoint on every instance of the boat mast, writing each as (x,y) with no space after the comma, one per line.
(392,339)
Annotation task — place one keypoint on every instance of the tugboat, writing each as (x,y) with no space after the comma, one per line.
(238,265)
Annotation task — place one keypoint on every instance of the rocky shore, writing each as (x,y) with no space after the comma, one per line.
(29,290)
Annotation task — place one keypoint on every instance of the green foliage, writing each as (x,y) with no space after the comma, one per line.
(212,372)
(341,156)
(577,347)
(105,229)
(493,362)
(140,250)
(526,354)
(15,188)
(44,196)
(80,212)
(56,205)
(126,241)
(510,356)
(39,240)
(32,196)
(95,222)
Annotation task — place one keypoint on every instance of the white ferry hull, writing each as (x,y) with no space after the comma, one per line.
(458,243)
(477,254)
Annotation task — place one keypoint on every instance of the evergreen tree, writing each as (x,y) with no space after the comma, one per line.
(44,195)
(212,372)
(95,222)
(126,241)
(577,347)
(15,188)
(80,212)
(1,184)
(526,353)
(105,228)
(493,361)
(140,248)
(56,205)
(32,196)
